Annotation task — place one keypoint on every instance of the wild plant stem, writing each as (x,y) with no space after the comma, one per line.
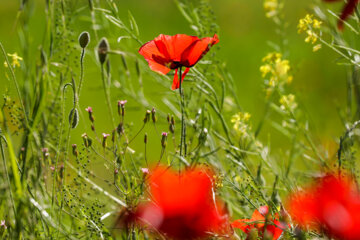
(183,126)
(81,72)
(7,175)
(107,94)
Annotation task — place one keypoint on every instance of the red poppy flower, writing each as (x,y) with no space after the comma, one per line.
(347,11)
(274,227)
(182,206)
(332,204)
(173,52)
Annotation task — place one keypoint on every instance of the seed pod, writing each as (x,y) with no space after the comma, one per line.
(103,48)
(74,118)
(84,39)
(87,140)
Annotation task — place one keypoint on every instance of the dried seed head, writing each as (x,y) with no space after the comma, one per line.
(84,39)
(103,48)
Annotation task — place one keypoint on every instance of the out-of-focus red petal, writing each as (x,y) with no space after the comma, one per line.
(347,11)
(241,224)
(197,50)
(176,82)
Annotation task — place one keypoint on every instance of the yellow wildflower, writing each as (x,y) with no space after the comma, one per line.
(271,8)
(241,123)
(15,60)
(288,102)
(317,47)
(311,26)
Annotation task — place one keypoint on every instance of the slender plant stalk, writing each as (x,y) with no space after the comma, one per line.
(107,94)
(183,126)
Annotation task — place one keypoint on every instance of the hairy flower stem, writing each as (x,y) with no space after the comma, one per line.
(81,72)
(183,126)
(107,94)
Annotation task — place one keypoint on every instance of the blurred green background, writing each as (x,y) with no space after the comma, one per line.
(319,83)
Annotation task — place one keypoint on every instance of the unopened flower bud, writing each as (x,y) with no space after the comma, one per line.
(145,138)
(147,116)
(87,140)
(121,107)
(90,111)
(120,129)
(84,39)
(172,120)
(168,118)
(164,139)
(74,150)
(153,115)
(105,136)
(103,48)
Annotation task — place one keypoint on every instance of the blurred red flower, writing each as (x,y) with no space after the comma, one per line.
(259,219)
(346,12)
(332,204)
(182,206)
(173,52)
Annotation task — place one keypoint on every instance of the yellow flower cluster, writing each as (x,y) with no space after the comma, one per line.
(276,70)
(272,8)
(288,103)
(15,60)
(311,26)
(241,123)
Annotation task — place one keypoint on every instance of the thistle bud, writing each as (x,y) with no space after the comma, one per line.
(164,139)
(105,136)
(147,116)
(84,39)
(103,49)
(87,140)
(74,150)
(153,115)
(145,138)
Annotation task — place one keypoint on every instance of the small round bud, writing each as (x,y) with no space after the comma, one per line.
(103,48)
(74,118)
(84,39)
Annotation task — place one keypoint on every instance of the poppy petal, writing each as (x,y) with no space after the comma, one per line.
(156,67)
(151,52)
(241,224)
(197,50)
(176,82)
(347,11)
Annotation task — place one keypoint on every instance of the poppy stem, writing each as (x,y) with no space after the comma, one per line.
(183,126)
